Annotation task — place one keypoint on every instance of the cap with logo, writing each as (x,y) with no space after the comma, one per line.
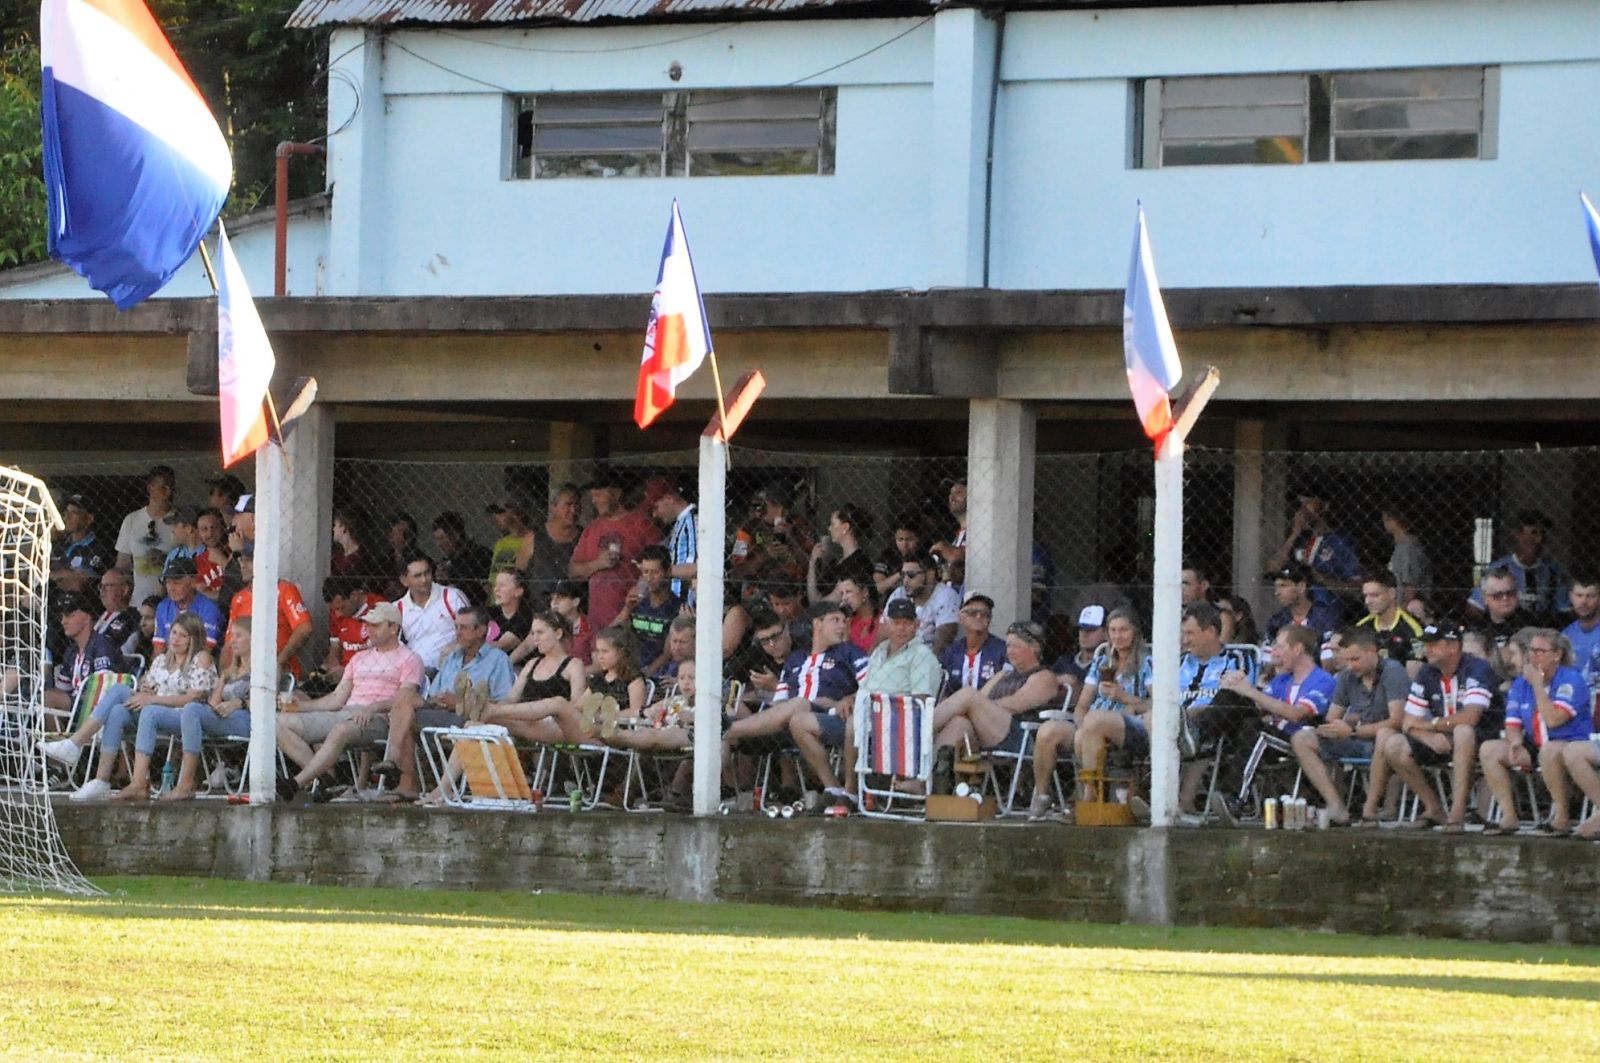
(901,609)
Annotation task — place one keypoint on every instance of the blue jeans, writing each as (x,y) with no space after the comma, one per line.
(200,719)
(156,720)
(113,713)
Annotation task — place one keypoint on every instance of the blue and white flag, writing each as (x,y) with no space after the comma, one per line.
(1592,219)
(135,168)
(1148,349)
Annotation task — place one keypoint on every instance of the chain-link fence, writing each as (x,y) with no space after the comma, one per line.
(1438,518)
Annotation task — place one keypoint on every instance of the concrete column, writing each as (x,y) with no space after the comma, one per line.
(1271,519)
(355,163)
(1248,561)
(1000,460)
(964,46)
(572,450)
(305,538)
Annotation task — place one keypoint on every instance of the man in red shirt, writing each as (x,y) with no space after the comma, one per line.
(294,619)
(348,601)
(608,550)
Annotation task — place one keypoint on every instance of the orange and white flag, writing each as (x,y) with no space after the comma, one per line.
(678,338)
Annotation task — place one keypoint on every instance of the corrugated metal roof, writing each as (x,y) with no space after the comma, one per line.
(388,12)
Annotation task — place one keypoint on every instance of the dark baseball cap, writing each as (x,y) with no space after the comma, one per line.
(186,515)
(901,609)
(568,588)
(179,567)
(1441,631)
(74,603)
(77,500)
(246,504)
(1294,571)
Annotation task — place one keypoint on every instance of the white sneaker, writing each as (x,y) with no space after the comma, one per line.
(93,790)
(63,751)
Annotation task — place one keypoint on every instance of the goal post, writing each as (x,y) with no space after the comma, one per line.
(33,858)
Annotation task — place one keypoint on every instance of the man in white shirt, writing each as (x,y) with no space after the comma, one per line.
(428,613)
(938,604)
(146,537)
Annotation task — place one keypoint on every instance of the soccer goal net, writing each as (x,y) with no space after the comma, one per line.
(33,858)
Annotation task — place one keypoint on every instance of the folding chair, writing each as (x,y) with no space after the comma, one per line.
(67,723)
(214,752)
(491,770)
(1017,759)
(894,739)
(1269,741)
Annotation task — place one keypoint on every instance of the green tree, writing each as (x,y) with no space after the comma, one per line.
(264,83)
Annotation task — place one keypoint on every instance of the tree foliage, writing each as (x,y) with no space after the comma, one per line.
(265,84)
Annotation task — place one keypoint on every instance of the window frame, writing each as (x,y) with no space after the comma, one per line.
(1148,146)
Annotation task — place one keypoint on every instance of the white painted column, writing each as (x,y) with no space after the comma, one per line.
(356,117)
(1249,485)
(1167,591)
(305,537)
(964,44)
(708,626)
(1000,462)
(264,627)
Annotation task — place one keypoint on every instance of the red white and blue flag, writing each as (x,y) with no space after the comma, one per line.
(136,170)
(1592,221)
(244,359)
(1147,344)
(678,338)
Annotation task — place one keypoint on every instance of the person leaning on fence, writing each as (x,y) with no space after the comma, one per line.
(471,676)
(1112,709)
(145,536)
(510,615)
(977,654)
(991,717)
(225,713)
(842,555)
(814,681)
(608,549)
(428,612)
(463,563)
(1551,704)
(1366,707)
(1399,634)
(181,673)
(79,556)
(546,558)
(1540,581)
(1454,704)
(356,710)
(1211,715)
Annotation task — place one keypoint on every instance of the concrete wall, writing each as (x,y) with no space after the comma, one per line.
(1526,889)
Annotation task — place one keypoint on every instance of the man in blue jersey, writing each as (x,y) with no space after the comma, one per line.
(1584,631)
(179,578)
(1297,697)
(1453,707)
(1212,716)
(1540,582)
(977,653)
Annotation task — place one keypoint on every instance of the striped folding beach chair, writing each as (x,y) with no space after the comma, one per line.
(894,744)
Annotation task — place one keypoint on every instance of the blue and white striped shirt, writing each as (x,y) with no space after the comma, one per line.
(683,547)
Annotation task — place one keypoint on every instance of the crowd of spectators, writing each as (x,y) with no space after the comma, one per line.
(570,631)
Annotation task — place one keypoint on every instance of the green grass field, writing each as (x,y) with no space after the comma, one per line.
(179,969)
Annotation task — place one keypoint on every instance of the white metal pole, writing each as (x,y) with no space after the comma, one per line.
(708,626)
(1166,580)
(263,755)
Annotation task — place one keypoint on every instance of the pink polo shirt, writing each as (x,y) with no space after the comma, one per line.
(378,675)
